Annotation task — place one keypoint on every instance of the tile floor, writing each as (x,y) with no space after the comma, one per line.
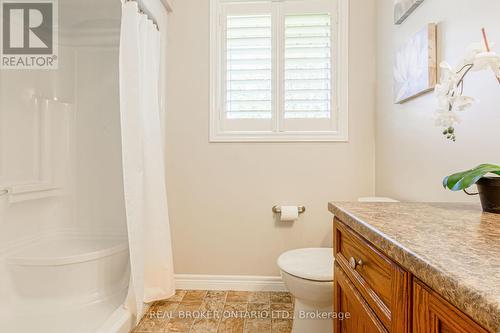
(197,311)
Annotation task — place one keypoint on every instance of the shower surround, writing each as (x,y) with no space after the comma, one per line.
(64,252)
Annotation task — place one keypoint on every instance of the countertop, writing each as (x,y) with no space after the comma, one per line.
(453,248)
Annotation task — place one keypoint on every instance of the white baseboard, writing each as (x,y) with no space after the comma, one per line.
(229,282)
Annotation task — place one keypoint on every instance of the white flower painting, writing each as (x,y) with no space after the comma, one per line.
(415,65)
(403,9)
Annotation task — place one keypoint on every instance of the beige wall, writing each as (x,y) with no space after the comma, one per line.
(221,194)
(412,155)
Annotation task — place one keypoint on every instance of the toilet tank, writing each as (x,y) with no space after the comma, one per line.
(376,199)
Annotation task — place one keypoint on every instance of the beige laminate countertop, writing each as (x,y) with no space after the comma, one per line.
(453,248)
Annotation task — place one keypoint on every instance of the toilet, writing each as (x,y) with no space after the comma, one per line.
(308,276)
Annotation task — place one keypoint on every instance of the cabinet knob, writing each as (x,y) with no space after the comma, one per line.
(353,263)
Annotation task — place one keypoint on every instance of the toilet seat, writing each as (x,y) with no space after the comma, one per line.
(315,264)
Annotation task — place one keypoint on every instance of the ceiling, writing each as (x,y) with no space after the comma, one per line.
(89,16)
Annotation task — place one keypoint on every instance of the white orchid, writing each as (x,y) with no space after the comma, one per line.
(446,119)
(449,91)
(472,51)
(488,60)
(449,78)
(460,103)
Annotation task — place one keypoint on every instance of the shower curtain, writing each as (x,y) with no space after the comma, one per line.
(143,162)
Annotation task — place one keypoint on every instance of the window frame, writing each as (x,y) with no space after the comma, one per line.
(340,79)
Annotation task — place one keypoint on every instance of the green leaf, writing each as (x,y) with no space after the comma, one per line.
(453,179)
(463,180)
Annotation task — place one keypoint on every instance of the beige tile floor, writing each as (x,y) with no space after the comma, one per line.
(206,311)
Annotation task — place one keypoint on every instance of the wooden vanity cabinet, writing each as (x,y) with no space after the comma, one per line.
(383,297)
(433,314)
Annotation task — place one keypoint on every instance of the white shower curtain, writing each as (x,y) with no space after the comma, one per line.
(143,162)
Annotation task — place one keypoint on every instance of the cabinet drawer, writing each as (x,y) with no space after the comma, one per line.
(382,283)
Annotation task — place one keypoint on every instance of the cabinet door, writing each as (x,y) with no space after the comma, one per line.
(382,283)
(349,301)
(433,314)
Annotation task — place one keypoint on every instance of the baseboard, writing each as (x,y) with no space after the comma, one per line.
(229,282)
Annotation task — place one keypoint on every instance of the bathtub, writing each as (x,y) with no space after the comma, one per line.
(64,283)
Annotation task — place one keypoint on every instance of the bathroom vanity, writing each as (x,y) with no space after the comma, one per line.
(416,267)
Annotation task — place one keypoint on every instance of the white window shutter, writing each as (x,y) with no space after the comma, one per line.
(249,67)
(308,66)
(279,70)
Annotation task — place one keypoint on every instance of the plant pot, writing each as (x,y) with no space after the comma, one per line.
(489,193)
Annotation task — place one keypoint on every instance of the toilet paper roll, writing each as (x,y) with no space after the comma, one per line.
(289,213)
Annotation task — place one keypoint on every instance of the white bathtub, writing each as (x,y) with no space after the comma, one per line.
(65,283)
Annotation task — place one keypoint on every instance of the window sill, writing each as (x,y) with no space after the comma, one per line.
(278,137)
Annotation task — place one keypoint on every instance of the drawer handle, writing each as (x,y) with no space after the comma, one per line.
(353,263)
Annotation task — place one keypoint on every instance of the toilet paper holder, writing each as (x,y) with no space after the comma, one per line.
(277,209)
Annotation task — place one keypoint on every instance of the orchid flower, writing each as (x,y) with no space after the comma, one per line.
(449,91)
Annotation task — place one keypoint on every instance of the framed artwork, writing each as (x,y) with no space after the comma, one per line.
(403,9)
(415,66)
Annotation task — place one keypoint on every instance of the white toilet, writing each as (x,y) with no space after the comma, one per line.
(308,276)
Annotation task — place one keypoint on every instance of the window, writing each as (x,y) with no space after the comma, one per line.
(278,70)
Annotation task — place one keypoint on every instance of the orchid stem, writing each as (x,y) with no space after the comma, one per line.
(487,44)
(485,38)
